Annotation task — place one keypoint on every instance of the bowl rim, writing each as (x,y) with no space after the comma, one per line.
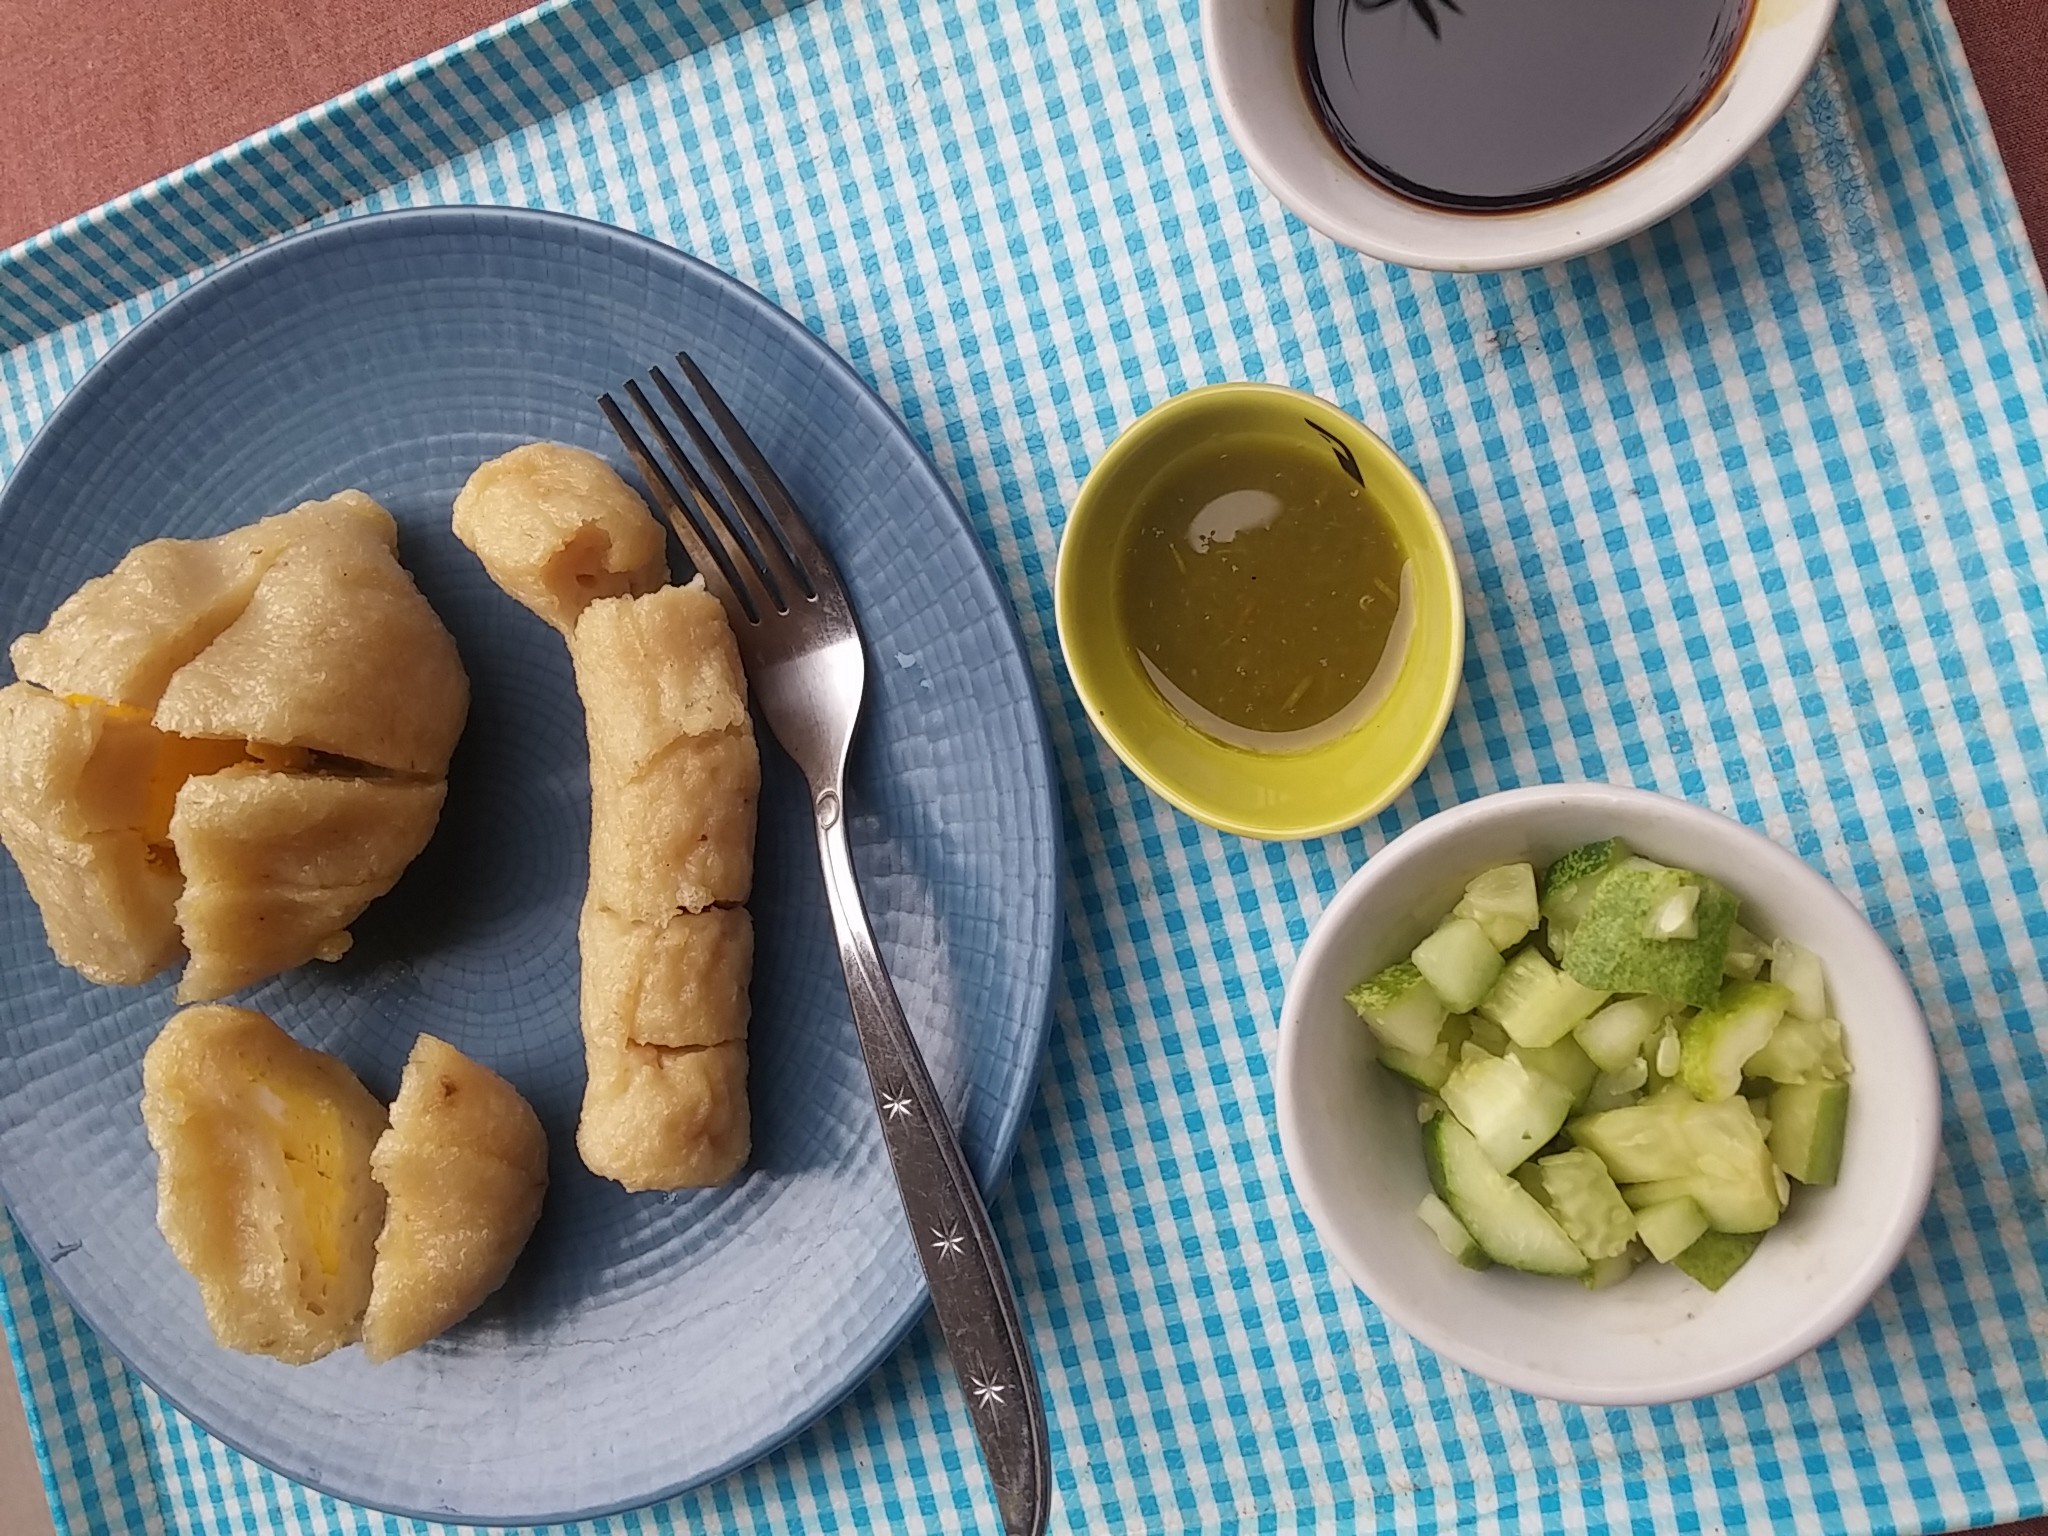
(1900,1222)
(1612,211)
(1066,596)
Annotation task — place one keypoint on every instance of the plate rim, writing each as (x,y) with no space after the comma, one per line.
(253,266)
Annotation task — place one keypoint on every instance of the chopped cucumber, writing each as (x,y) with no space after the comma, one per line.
(1568,883)
(1718,1040)
(1639,1142)
(1746,954)
(1562,1063)
(1459,962)
(1508,1222)
(1536,1003)
(1655,1192)
(1643,1075)
(1511,1110)
(1797,970)
(1809,1123)
(1616,1035)
(1612,1090)
(1612,1271)
(1801,1051)
(1426,1071)
(1734,1179)
(1610,947)
(1670,1228)
(1457,1242)
(1714,1256)
(1487,1035)
(1502,901)
(1586,1204)
(1400,1008)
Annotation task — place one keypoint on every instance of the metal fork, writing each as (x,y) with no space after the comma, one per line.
(807,669)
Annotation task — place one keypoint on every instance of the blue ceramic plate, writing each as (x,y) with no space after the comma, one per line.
(645,1343)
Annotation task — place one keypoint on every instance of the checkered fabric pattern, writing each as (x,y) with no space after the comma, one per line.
(1749,510)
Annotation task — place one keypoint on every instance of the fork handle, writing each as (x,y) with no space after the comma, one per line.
(970,1289)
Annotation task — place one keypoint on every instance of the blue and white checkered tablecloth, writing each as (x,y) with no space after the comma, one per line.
(1750,510)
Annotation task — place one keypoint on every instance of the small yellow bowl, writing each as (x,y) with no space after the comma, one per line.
(1277,796)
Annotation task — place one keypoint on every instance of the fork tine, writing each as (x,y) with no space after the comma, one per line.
(795,534)
(707,559)
(709,518)
(770,543)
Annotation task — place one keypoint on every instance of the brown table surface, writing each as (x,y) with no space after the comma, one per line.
(98,96)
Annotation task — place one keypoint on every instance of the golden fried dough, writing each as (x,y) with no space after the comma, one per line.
(674,783)
(655,671)
(298,646)
(263,1180)
(277,865)
(678,982)
(336,651)
(655,1118)
(464,1166)
(73,792)
(557,527)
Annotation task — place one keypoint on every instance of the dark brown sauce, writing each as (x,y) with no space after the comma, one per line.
(1500,104)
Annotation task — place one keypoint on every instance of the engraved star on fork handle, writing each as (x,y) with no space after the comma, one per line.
(970,1290)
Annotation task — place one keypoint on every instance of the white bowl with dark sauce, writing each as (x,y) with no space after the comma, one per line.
(1481,135)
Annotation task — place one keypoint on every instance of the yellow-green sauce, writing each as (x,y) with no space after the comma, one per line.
(1265,594)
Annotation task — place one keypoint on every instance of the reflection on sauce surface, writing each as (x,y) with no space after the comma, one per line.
(1499,104)
(1265,595)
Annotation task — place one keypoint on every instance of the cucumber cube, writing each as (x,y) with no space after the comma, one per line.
(1613,1090)
(1641,1142)
(1459,962)
(1797,970)
(1801,1051)
(1502,901)
(1746,954)
(1426,1072)
(1450,1231)
(1400,1008)
(1612,1271)
(1717,1041)
(1616,1035)
(1667,1230)
(1568,883)
(1508,1222)
(1809,1122)
(1562,1063)
(1536,1003)
(1510,1110)
(1734,1179)
(1715,1256)
(1612,948)
(1586,1204)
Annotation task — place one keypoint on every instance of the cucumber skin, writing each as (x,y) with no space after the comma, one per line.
(1809,1123)
(1714,1257)
(1393,1004)
(1453,1155)
(1569,869)
(1607,949)
(1714,1043)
